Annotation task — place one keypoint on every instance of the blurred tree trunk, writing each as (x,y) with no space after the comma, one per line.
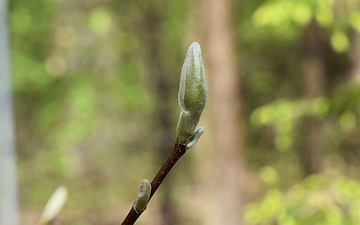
(8,189)
(225,177)
(314,79)
(355,57)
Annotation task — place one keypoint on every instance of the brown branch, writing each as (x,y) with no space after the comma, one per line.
(176,153)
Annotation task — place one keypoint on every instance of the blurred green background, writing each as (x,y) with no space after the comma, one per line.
(95,97)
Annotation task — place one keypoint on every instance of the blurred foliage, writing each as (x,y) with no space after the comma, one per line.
(85,104)
(335,16)
(284,115)
(318,199)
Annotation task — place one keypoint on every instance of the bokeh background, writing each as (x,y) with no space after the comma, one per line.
(95,101)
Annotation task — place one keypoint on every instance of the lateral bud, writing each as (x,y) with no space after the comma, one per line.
(143,196)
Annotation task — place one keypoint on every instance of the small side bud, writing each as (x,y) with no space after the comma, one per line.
(54,205)
(143,195)
(192,93)
(195,137)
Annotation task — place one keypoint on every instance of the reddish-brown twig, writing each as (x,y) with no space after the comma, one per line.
(176,153)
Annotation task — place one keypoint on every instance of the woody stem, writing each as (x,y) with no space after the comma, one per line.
(176,153)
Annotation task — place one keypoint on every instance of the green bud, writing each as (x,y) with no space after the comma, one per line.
(192,93)
(143,195)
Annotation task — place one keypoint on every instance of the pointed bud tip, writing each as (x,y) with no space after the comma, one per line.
(194,49)
(195,45)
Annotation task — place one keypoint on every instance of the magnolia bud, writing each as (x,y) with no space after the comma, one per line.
(143,195)
(192,93)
